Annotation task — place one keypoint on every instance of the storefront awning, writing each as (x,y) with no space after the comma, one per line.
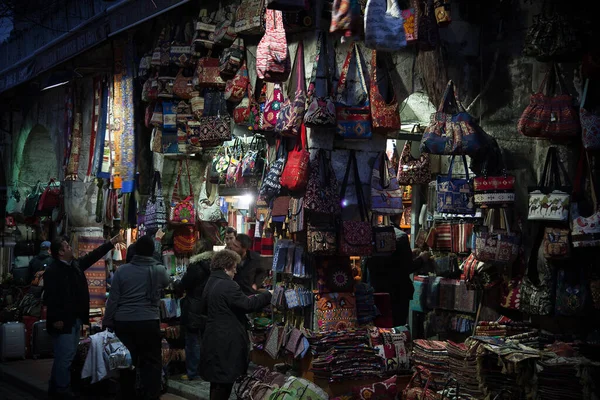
(114,20)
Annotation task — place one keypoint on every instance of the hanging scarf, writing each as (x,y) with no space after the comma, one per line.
(75,142)
(96,110)
(105,163)
(101,131)
(117,125)
(68,128)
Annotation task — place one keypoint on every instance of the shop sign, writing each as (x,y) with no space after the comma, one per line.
(139,11)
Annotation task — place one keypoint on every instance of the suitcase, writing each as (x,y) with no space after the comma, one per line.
(41,341)
(28,321)
(12,341)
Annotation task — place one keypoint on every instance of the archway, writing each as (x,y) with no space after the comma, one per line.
(38,161)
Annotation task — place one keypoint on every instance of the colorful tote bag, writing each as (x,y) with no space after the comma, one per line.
(385,115)
(413,171)
(590,123)
(237,87)
(386,194)
(321,109)
(272,182)
(182,210)
(322,193)
(249,18)
(496,245)
(551,116)
(452,130)
(156,208)
(274,100)
(538,286)
(209,209)
(335,311)
(455,195)
(550,200)
(494,191)
(272,55)
(291,115)
(384,26)
(353,119)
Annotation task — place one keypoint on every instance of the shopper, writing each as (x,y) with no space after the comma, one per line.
(42,260)
(67,299)
(230,234)
(392,275)
(250,275)
(193,283)
(225,343)
(133,310)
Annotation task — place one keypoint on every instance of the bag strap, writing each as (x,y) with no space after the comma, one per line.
(313,77)
(343,75)
(452,166)
(352,164)
(301,144)
(374,84)
(299,70)
(175,196)
(450,97)
(546,169)
(156,184)
(384,171)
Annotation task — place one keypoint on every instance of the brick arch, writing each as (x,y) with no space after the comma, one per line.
(35,156)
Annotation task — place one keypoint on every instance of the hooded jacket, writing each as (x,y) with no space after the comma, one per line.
(193,282)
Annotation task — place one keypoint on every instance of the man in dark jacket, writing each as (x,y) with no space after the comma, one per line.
(225,342)
(250,274)
(133,310)
(42,260)
(67,299)
(193,282)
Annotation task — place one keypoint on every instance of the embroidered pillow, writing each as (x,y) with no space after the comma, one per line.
(384,390)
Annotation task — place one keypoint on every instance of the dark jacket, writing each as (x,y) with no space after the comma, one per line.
(250,272)
(225,342)
(40,262)
(193,282)
(66,290)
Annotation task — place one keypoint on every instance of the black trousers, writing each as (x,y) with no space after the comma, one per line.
(220,391)
(143,340)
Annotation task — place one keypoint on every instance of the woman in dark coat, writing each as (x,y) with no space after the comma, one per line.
(225,341)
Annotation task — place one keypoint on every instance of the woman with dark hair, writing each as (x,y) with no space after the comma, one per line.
(225,343)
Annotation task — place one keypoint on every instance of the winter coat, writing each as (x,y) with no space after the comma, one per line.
(249,273)
(66,290)
(40,262)
(193,282)
(225,342)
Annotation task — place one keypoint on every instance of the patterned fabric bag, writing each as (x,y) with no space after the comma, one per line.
(182,211)
(322,193)
(156,209)
(249,18)
(386,194)
(296,223)
(353,121)
(556,243)
(356,236)
(494,191)
(219,164)
(498,246)
(272,56)
(321,239)
(384,238)
(413,171)
(184,240)
(455,195)
(452,130)
(585,231)
(271,184)
(550,115)
(590,123)
(511,296)
(253,162)
(180,53)
(385,116)
(207,74)
(237,87)
(231,60)
(571,292)
(384,26)
(335,311)
(537,289)
(347,19)
(291,115)
(209,208)
(321,109)
(273,103)
(550,200)
(224,34)
(183,87)
(295,173)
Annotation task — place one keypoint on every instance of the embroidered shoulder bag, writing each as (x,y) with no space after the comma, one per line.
(272,56)
(413,171)
(271,183)
(321,109)
(356,236)
(209,209)
(385,116)
(295,173)
(455,195)
(156,209)
(322,192)
(499,246)
(386,194)
(291,114)
(237,87)
(537,288)
(494,191)
(550,200)
(384,26)
(231,60)
(182,211)
(249,17)
(274,100)
(353,121)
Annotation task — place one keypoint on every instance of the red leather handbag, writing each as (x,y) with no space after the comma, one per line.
(295,172)
(50,198)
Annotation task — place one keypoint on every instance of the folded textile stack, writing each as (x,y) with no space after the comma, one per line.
(462,362)
(392,345)
(558,378)
(432,355)
(502,327)
(345,355)
(529,339)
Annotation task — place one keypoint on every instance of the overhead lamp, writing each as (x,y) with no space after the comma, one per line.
(59,78)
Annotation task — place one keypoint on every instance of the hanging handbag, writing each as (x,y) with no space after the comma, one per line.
(250,17)
(183,87)
(182,211)
(161,54)
(291,115)
(205,25)
(585,231)
(16,203)
(274,100)
(213,130)
(165,86)
(219,164)
(280,206)
(32,200)
(455,195)
(356,236)
(494,191)
(271,183)
(556,243)
(413,171)
(207,74)
(419,390)
(461,237)
(571,292)
(335,312)
(184,240)
(386,194)
(295,173)
(452,129)
(322,193)
(321,109)
(156,209)
(180,53)
(231,60)
(411,27)
(321,238)
(590,123)
(511,295)
(385,116)
(209,209)
(548,115)
(253,162)
(150,90)
(429,33)
(225,30)
(384,26)
(296,223)
(272,55)
(549,201)
(537,288)
(498,246)
(552,37)
(347,19)
(50,198)
(237,87)
(353,121)
(384,240)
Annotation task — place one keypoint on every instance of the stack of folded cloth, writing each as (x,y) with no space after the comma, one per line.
(529,339)
(502,327)
(558,378)
(433,356)
(462,362)
(345,355)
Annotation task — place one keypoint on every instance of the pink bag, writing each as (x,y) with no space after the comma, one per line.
(272,55)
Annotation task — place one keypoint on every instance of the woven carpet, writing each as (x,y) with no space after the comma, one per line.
(96,274)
